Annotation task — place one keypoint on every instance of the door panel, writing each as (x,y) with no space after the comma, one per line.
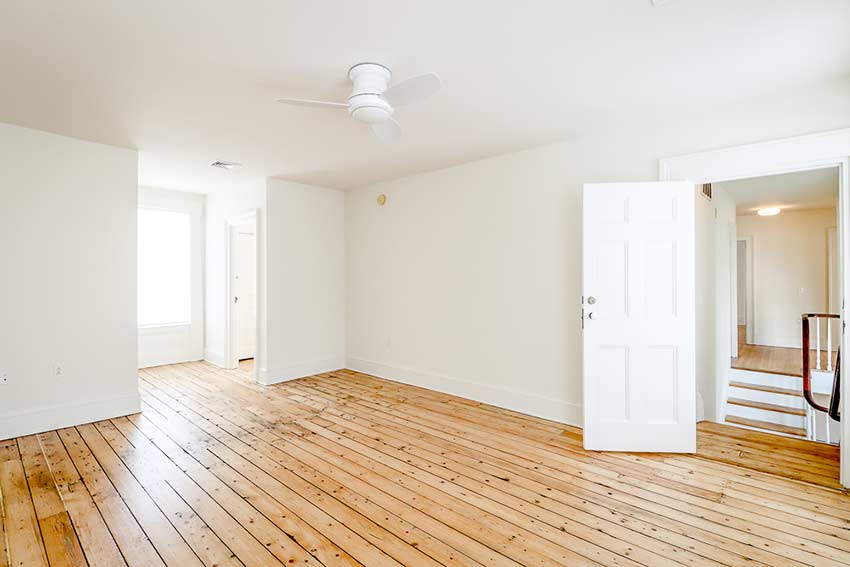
(245,288)
(639,332)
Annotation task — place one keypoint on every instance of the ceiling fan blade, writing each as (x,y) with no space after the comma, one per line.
(387,131)
(413,89)
(312,103)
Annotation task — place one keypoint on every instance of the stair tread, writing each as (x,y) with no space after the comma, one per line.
(764,388)
(766,406)
(779,428)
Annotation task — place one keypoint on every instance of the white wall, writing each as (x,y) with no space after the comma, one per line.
(221,206)
(68,289)
(468,280)
(790,274)
(723,311)
(305,281)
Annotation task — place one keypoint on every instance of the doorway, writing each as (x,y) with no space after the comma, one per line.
(804,153)
(242,292)
(786,227)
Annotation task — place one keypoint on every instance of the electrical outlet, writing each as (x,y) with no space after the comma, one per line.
(58,371)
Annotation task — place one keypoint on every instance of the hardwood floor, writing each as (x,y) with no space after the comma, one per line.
(775,360)
(348,469)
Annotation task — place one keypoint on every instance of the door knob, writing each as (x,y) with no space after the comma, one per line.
(591,316)
(591,300)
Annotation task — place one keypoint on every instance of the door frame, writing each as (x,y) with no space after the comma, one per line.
(800,153)
(231,358)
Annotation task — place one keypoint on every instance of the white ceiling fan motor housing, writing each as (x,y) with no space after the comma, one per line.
(366,103)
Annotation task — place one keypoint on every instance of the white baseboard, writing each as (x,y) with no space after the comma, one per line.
(267,377)
(216,358)
(67,415)
(523,402)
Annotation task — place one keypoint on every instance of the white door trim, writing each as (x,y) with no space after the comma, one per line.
(800,153)
(231,358)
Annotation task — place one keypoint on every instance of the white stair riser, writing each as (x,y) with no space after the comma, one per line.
(765,379)
(766,397)
(766,431)
(821,381)
(766,415)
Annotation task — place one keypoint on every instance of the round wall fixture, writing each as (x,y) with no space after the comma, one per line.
(382,199)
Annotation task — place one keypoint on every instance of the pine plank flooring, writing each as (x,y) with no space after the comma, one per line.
(348,469)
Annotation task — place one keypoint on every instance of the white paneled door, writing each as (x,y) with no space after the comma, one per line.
(245,293)
(639,317)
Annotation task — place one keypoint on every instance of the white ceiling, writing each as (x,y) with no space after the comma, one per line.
(189,82)
(812,189)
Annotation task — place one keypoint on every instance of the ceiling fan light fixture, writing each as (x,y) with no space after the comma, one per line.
(373,100)
(370,114)
(769,211)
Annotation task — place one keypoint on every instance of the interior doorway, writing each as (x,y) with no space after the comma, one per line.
(242,292)
(786,229)
(825,151)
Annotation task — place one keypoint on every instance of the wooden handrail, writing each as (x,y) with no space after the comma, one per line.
(807,371)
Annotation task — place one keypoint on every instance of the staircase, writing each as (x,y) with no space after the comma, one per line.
(768,402)
(776,403)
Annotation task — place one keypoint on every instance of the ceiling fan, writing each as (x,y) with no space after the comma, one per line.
(373,100)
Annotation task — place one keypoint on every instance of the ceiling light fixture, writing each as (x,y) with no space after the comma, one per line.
(769,211)
(228,165)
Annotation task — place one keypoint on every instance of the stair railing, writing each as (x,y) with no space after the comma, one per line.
(832,409)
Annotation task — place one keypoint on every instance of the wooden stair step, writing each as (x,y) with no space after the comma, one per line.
(757,423)
(766,406)
(763,388)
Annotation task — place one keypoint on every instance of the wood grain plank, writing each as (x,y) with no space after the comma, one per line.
(114,488)
(95,538)
(60,540)
(4,551)
(22,530)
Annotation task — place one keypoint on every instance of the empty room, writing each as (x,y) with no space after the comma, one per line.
(436,284)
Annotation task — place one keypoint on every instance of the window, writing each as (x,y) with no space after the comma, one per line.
(165,263)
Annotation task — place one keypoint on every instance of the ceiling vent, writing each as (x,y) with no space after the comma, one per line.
(225,164)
